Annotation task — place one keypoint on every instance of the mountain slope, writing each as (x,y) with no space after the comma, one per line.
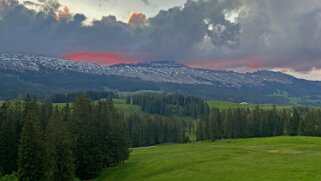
(42,76)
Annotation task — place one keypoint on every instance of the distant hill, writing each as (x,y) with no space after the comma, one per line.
(42,76)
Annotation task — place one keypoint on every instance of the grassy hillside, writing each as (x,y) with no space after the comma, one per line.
(278,158)
(120,104)
(125,94)
(226,105)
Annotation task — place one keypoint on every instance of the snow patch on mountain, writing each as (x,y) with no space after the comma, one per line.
(156,71)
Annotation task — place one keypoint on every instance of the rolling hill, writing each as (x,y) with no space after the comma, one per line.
(41,76)
(259,159)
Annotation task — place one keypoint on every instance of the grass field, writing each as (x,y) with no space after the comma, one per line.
(125,94)
(226,105)
(259,159)
(121,106)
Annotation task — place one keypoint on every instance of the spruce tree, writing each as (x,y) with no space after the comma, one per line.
(228,124)
(215,124)
(286,117)
(88,158)
(60,162)
(294,123)
(31,156)
(8,140)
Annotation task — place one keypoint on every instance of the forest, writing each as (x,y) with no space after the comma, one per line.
(150,130)
(41,142)
(85,135)
(170,104)
(258,122)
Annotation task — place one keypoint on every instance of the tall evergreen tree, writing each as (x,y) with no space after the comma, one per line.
(228,124)
(87,151)
(59,149)
(215,124)
(46,110)
(31,156)
(294,122)
(8,140)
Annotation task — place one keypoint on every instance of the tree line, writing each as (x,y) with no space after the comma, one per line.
(247,123)
(150,130)
(41,142)
(94,95)
(170,104)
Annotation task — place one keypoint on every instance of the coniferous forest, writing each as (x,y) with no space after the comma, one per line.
(170,104)
(258,122)
(41,142)
(44,141)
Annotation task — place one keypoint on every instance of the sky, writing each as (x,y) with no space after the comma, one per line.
(239,35)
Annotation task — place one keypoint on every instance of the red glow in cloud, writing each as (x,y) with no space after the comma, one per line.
(250,63)
(137,19)
(63,13)
(105,58)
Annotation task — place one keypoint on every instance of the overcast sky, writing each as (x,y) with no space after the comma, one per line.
(119,8)
(242,35)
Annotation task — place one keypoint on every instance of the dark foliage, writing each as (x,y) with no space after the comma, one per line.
(57,143)
(146,131)
(170,104)
(246,123)
(94,95)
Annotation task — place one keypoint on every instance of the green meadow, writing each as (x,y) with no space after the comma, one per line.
(227,105)
(258,159)
(121,106)
(125,94)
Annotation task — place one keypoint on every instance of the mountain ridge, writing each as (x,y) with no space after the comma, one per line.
(22,73)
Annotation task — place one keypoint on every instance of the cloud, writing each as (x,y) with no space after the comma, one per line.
(146,2)
(105,58)
(224,34)
(4,4)
(137,19)
(64,13)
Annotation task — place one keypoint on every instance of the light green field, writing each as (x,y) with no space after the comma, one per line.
(121,106)
(125,94)
(296,100)
(227,105)
(259,159)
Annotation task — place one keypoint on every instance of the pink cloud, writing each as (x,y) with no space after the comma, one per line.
(250,63)
(105,58)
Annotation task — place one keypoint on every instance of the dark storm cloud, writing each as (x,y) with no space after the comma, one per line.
(273,34)
(22,30)
(283,33)
(173,34)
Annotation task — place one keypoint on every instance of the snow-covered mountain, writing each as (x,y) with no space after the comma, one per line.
(40,75)
(24,62)
(158,71)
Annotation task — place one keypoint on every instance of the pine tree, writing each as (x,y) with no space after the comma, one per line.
(215,124)
(31,156)
(236,123)
(294,123)
(264,125)
(87,148)
(46,110)
(228,124)
(59,149)
(8,140)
